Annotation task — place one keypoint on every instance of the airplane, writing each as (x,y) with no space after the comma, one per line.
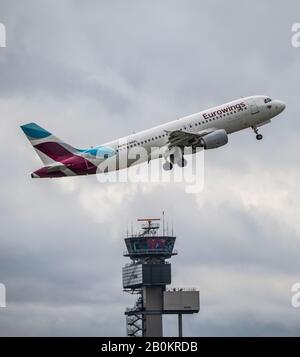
(207,129)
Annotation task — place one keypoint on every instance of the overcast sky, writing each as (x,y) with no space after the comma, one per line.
(92,71)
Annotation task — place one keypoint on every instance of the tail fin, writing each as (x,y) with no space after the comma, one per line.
(48,147)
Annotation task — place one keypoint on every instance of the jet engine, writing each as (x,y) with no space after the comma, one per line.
(215,139)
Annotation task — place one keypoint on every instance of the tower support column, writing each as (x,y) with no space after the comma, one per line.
(180,325)
(153,305)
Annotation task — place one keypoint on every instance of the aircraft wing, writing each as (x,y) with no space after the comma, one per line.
(184,138)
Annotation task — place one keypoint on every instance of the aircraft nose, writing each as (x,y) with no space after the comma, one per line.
(280,105)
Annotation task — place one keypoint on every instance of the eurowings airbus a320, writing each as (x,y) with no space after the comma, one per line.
(208,129)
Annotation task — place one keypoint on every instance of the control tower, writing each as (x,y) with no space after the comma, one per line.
(147,275)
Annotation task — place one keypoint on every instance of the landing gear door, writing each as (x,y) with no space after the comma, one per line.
(253,107)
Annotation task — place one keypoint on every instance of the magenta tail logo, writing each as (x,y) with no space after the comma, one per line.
(61,159)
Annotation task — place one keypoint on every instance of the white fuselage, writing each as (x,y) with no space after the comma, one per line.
(233,116)
(208,129)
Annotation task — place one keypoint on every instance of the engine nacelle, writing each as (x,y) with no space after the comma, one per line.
(215,139)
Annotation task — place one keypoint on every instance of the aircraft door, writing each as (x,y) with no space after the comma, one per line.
(253,107)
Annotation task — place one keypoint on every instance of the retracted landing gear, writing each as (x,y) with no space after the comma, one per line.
(258,136)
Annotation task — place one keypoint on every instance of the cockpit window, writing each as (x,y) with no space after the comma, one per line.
(268,100)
